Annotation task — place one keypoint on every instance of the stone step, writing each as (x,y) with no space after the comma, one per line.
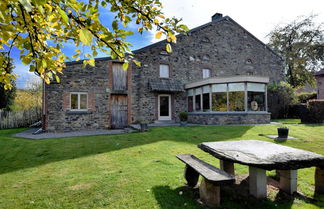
(164,121)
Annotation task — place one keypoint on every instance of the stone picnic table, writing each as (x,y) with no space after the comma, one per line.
(261,156)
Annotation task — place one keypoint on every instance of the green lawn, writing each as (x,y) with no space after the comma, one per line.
(137,170)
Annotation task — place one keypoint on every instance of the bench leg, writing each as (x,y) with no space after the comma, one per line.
(209,193)
(191,176)
(319,181)
(227,166)
(288,181)
(257,182)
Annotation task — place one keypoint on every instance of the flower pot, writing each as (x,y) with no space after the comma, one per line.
(183,123)
(283,133)
(144,127)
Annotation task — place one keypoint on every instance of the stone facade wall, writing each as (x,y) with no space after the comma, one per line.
(223,47)
(228,118)
(93,81)
(320,87)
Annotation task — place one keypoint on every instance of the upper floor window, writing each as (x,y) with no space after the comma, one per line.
(79,101)
(206,73)
(164,71)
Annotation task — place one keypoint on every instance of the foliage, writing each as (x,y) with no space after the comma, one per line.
(183,116)
(301,44)
(7,96)
(314,112)
(280,97)
(136,170)
(28,98)
(40,28)
(303,97)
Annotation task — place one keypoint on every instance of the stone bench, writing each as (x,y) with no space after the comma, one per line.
(213,178)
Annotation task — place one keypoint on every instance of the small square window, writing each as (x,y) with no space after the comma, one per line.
(79,101)
(206,73)
(164,71)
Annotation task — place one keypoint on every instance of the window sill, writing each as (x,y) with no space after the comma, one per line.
(78,112)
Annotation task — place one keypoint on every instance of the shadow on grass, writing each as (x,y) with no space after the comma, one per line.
(185,197)
(17,153)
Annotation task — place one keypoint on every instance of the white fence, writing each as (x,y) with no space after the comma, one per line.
(18,119)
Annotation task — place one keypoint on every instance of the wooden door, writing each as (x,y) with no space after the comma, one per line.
(119,77)
(119,111)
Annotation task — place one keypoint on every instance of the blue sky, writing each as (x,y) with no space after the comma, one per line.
(258,17)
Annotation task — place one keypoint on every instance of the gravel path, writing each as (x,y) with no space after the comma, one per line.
(28,134)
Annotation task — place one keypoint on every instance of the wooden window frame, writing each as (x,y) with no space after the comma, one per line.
(79,98)
(169,71)
(204,74)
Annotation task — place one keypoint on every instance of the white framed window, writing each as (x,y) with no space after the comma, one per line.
(78,101)
(206,73)
(164,71)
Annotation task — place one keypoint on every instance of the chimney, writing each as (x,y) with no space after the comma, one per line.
(217,16)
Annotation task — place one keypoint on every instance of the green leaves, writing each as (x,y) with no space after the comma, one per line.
(26,4)
(85,36)
(63,15)
(39,29)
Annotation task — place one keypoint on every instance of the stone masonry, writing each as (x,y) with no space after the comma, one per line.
(222,46)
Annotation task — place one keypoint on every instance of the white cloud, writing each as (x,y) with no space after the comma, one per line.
(23,75)
(258,17)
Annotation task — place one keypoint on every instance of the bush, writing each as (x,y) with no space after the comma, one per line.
(305,96)
(280,97)
(183,116)
(314,112)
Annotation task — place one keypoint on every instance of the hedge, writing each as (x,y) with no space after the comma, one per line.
(314,112)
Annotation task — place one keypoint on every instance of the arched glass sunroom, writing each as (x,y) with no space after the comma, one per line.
(239,94)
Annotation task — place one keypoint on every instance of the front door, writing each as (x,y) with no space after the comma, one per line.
(164,107)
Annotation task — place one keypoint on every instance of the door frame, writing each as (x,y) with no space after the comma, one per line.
(170,109)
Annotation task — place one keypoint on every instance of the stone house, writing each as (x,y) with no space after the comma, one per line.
(320,83)
(218,73)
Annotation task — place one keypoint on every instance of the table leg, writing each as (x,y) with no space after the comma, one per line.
(288,181)
(257,182)
(227,166)
(319,180)
(209,193)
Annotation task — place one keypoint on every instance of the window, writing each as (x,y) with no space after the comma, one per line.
(236,97)
(190,100)
(206,73)
(164,71)
(206,103)
(219,97)
(198,99)
(79,101)
(256,97)
(228,97)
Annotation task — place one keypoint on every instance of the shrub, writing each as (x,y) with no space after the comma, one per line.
(183,116)
(314,112)
(305,96)
(280,97)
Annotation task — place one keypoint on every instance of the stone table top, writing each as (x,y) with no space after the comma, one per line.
(261,154)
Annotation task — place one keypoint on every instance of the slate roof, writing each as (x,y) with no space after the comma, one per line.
(320,73)
(165,85)
(225,18)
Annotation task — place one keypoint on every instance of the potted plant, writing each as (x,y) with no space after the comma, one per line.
(144,125)
(183,116)
(283,132)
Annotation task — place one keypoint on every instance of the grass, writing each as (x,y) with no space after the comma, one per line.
(287,121)
(137,170)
